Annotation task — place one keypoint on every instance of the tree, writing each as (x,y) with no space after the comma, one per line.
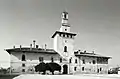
(52,66)
(41,67)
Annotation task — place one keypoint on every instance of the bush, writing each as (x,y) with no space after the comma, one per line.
(42,67)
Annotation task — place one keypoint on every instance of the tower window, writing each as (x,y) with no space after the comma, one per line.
(23,65)
(65,49)
(41,59)
(23,57)
(60,60)
(75,60)
(65,16)
(52,60)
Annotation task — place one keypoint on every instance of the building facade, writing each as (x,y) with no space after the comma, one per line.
(24,59)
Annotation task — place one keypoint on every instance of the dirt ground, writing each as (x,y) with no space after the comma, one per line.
(38,76)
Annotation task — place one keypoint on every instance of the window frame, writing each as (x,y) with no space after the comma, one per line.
(52,59)
(83,69)
(23,57)
(23,64)
(65,48)
(60,60)
(76,61)
(41,59)
(94,62)
(83,61)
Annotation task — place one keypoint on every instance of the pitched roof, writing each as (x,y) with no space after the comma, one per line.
(90,54)
(32,50)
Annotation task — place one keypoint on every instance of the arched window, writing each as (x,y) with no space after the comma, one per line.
(23,57)
(65,49)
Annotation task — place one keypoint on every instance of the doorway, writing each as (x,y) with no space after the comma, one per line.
(65,69)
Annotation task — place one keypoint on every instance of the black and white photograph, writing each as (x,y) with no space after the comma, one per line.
(59,39)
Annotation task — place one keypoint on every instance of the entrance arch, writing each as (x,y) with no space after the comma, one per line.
(65,69)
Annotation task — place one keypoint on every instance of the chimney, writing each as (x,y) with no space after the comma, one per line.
(37,46)
(34,43)
(30,46)
(93,52)
(45,46)
(42,46)
(14,47)
(79,51)
(20,47)
(85,51)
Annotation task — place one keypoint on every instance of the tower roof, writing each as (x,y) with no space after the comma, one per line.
(58,32)
(65,12)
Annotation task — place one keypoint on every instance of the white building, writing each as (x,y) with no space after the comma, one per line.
(24,59)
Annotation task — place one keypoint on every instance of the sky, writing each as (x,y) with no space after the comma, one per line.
(96,22)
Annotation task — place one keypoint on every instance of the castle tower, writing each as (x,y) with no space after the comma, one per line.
(65,27)
(64,39)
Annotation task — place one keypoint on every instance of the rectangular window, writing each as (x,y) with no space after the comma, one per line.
(94,62)
(63,35)
(23,70)
(75,68)
(100,69)
(75,60)
(68,36)
(65,29)
(83,61)
(60,34)
(23,57)
(23,65)
(69,60)
(41,59)
(52,60)
(82,68)
(60,60)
